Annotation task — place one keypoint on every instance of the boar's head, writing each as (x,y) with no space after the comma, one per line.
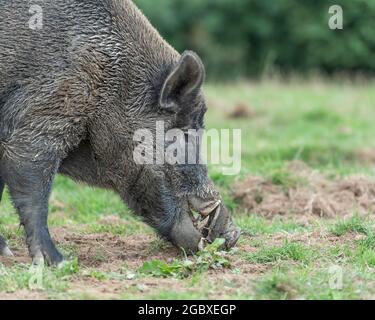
(179,200)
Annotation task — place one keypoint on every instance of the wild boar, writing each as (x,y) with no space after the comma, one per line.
(78,78)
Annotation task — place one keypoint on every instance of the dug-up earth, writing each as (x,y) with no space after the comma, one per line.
(300,190)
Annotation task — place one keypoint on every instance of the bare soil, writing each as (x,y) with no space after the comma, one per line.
(119,254)
(366,156)
(242,111)
(313,194)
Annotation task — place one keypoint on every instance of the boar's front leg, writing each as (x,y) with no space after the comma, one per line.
(29,186)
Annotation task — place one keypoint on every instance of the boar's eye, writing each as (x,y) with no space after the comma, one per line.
(185,80)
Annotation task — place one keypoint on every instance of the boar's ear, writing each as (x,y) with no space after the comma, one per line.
(184,80)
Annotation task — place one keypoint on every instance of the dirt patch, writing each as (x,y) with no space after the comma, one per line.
(19,258)
(111,252)
(124,255)
(366,156)
(23,295)
(242,111)
(312,194)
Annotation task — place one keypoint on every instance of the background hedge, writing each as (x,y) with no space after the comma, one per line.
(250,37)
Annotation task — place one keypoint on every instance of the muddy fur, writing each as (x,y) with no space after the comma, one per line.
(71,96)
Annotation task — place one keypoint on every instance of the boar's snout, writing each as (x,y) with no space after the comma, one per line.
(191,233)
(185,235)
(222,226)
(216,221)
(213,221)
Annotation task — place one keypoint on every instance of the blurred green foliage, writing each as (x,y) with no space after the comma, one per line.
(253,37)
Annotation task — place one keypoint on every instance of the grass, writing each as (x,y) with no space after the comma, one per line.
(34,278)
(356,224)
(322,124)
(309,283)
(287,251)
(254,225)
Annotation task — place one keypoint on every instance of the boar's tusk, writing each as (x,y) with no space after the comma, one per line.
(210,208)
(213,222)
(38,259)
(201,244)
(204,207)
(203,223)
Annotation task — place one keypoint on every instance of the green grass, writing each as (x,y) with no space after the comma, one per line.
(254,225)
(355,224)
(287,251)
(40,278)
(309,283)
(322,124)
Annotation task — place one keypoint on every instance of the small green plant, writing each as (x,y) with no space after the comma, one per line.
(209,258)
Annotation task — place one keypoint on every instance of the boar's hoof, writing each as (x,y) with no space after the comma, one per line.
(4,249)
(56,261)
(38,259)
(6,252)
(52,260)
